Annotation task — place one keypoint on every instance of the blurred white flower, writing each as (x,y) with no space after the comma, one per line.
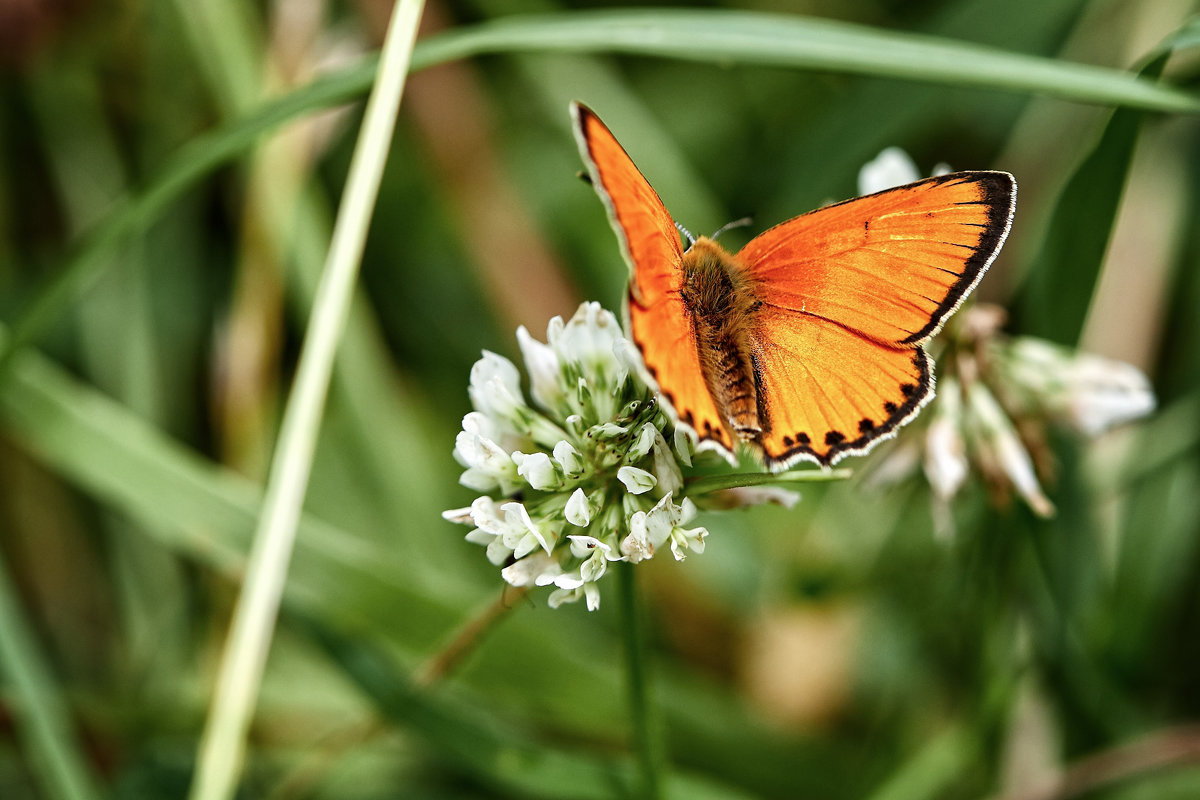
(1087,392)
(946,466)
(1000,448)
(996,393)
(891,168)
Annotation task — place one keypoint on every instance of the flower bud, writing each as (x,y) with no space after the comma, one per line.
(637,481)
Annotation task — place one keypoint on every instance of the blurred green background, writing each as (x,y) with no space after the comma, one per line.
(841,649)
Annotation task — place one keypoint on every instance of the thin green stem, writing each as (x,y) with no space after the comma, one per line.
(44,724)
(223,745)
(647,730)
(715,483)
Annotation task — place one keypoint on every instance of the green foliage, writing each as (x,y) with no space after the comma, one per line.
(161,243)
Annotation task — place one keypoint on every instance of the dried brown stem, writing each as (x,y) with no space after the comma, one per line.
(468,637)
(1171,747)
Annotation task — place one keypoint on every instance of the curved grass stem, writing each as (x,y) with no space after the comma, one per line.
(222,747)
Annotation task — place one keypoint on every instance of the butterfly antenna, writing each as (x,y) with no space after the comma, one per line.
(737,223)
(691,240)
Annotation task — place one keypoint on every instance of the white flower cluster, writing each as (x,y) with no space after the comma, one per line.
(1086,392)
(585,475)
(994,400)
(996,393)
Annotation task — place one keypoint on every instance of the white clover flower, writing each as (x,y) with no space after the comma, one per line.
(582,476)
(594,555)
(946,465)
(667,475)
(538,470)
(489,465)
(540,569)
(650,530)
(1000,445)
(1022,379)
(589,591)
(1087,392)
(578,510)
(569,459)
(637,481)
(495,389)
(685,539)
(1013,388)
(543,366)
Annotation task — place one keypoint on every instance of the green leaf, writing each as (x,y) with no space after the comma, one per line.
(500,757)
(45,729)
(1063,276)
(745,37)
(205,512)
(721,37)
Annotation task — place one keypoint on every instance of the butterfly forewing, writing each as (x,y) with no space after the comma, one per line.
(891,265)
(649,240)
(659,324)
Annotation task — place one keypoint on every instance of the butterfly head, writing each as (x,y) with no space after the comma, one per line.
(687,235)
(691,240)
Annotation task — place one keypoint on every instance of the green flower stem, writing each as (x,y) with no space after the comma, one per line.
(647,730)
(223,745)
(716,483)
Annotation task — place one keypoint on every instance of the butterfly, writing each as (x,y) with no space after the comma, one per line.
(807,343)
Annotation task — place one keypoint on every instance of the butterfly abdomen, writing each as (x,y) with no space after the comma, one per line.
(721,303)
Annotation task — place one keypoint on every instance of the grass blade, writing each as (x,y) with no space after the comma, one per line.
(223,744)
(45,725)
(502,758)
(710,36)
(737,37)
(1063,276)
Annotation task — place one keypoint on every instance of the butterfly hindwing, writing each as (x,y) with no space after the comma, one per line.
(828,391)
(892,265)
(658,322)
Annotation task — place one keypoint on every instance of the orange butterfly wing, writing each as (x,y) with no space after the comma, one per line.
(892,265)
(658,321)
(828,391)
(850,292)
